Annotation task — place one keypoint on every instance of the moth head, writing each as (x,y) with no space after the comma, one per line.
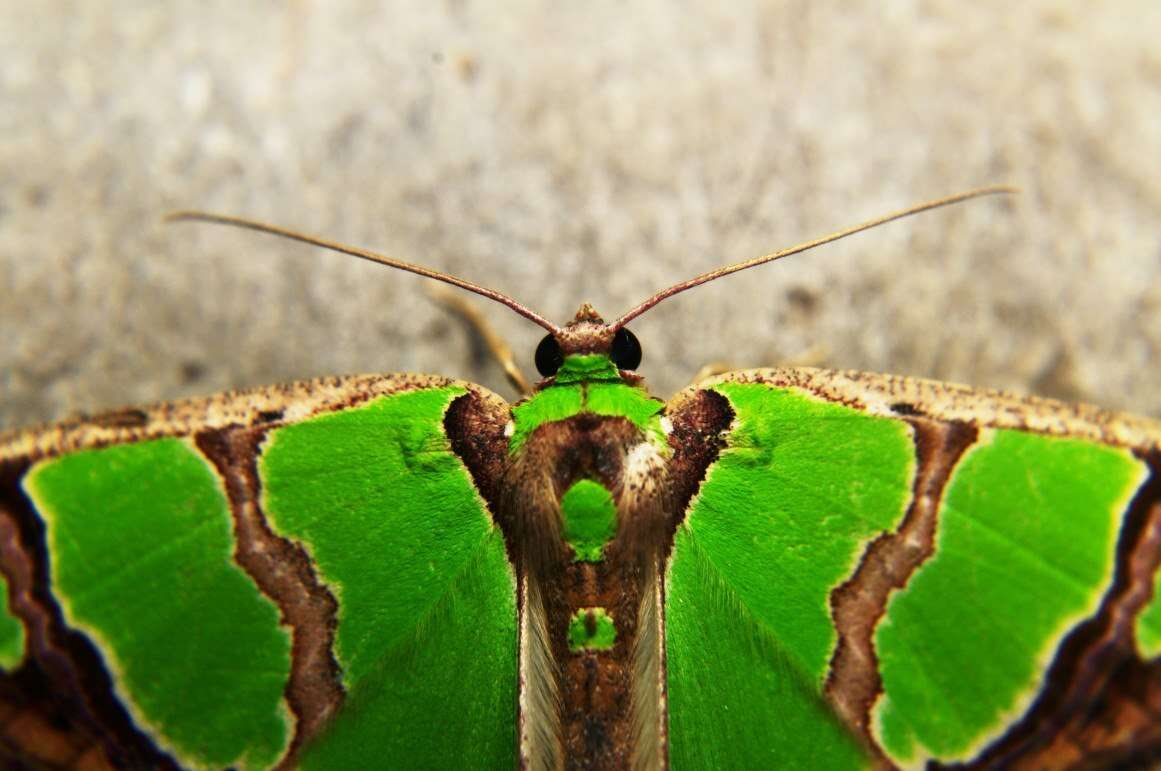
(588,334)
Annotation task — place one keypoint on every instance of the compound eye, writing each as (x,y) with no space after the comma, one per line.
(548,356)
(626,352)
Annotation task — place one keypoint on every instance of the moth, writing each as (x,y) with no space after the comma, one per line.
(777,568)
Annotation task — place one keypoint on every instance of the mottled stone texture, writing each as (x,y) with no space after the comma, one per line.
(576,152)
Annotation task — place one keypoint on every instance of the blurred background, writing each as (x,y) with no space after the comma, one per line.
(571,152)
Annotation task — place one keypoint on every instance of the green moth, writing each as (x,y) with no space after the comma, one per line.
(777,568)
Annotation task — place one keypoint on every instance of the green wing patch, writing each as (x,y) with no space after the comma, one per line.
(142,546)
(1025,549)
(427,618)
(782,518)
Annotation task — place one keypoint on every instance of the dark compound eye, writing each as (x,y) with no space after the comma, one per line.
(548,356)
(626,352)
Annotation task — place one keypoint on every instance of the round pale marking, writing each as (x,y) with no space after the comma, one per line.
(142,547)
(427,617)
(783,517)
(1024,551)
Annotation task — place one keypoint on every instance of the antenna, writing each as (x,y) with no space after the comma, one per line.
(366,254)
(533,316)
(665,294)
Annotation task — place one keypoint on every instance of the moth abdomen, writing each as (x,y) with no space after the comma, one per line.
(581,497)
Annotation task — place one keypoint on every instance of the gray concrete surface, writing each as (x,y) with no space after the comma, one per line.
(563,152)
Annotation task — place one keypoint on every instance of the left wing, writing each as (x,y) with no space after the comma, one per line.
(300,575)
